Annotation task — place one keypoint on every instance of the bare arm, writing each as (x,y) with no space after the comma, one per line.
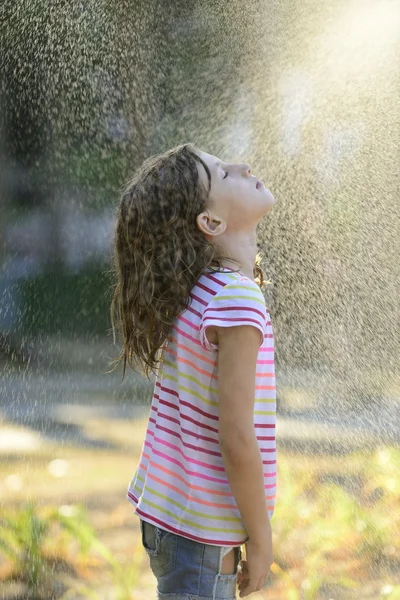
(237,359)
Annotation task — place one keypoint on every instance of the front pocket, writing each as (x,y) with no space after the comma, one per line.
(225,587)
(160,546)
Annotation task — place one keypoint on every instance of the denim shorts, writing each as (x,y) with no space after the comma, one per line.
(186,569)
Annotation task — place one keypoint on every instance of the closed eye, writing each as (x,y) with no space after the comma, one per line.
(226,175)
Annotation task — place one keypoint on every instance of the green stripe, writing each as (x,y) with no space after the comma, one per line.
(185,389)
(191,523)
(190,377)
(214,390)
(265,400)
(188,510)
(241,298)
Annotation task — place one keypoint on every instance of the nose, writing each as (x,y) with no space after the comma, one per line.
(245,169)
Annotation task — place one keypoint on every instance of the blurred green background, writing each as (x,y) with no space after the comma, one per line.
(307,93)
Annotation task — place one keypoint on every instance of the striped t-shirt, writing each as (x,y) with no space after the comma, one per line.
(180,484)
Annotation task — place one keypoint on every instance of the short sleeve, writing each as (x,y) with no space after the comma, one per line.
(238,303)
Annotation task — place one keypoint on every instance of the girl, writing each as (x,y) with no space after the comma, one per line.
(206,479)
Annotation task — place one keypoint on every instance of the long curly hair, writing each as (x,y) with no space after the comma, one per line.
(159,252)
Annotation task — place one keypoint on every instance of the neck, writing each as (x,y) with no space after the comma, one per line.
(240,247)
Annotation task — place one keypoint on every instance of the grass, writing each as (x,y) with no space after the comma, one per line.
(335,528)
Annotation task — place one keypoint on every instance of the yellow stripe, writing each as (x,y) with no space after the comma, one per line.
(214,390)
(188,510)
(192,524)
(264,412)
(190,377)
(236,297)
(185,389)
(265,400)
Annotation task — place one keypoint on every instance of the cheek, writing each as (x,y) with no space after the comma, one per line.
(245,193)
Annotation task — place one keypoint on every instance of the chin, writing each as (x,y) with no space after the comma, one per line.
(270,206)
(272,199)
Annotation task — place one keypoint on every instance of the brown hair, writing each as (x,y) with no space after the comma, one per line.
(159,252)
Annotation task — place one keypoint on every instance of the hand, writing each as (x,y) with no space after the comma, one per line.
(254,571)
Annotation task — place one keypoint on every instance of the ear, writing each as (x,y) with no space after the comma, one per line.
(210,225)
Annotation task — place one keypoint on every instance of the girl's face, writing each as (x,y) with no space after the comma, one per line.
(236,196)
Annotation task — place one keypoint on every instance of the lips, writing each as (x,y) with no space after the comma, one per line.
(259,184)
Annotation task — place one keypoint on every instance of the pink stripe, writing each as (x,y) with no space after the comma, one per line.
(203,425)
(193,311)
(201,412)
(189,460)
(207,439)
(184,320)
(133,497)
(186,335)
(215,280)
(265,387)
(200,475)
(236,308)
(231,319)
(205,288)
(265,375)
(180,531)
(192,407)
(197,448)
(169,391)
(200,300)
(163,401)
(191,433)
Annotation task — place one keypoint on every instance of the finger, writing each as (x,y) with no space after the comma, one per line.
(246,592)
(260,584)
(244,565)
(249,588)
(244,573)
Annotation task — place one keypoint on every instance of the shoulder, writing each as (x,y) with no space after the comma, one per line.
(243,287)
(228,289)
(236,292)
(230,279)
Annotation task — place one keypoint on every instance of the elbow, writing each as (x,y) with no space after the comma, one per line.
(236,439)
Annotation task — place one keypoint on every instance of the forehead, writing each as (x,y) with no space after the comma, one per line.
(212,163)
(210,160)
